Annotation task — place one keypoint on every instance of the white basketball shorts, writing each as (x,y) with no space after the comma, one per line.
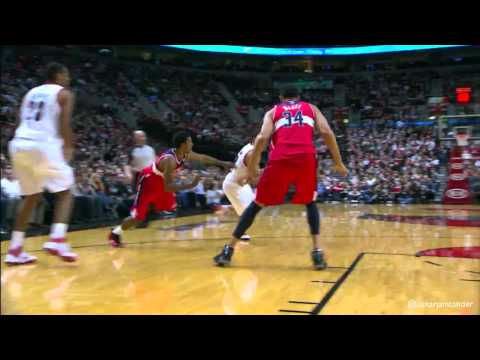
(40,165)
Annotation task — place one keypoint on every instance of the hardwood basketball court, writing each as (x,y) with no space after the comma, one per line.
(168,268)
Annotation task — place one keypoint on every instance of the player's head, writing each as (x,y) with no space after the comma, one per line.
(139,137)
(289,93)
(182,140)
(58,74)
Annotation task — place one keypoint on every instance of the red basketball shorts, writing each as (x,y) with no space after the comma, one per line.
(151,191)
(299,171)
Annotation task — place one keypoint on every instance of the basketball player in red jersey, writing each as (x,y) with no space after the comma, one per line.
(156,185)
(292,161)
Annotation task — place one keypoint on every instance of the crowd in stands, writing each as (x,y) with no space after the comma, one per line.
(195,101)
(390,165)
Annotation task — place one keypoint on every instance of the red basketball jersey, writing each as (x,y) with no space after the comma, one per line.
(179,163)
(293,132)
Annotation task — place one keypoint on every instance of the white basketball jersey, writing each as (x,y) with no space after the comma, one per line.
(240,171)
(39,114)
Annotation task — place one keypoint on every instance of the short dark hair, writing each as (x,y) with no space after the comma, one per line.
(179,138)
(289,92)
(53,69)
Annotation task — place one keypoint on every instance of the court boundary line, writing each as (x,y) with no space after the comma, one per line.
(344,276)
(431,262)
(302,302)
(383,253)
(295,311)
(316,310)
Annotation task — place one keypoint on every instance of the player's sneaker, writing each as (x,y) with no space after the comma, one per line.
(19,257)
(115,240)
(318,259)
(225,257)
(245,237)
(59,247)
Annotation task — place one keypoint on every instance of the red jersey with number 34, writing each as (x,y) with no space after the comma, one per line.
(293,130)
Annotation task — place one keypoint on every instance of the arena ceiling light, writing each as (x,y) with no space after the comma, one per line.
(324,51)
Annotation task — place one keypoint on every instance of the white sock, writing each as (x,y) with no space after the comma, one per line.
(17,239)
(58,231)
(118,230)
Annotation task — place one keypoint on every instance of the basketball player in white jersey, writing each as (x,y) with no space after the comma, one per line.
(40,149)
(236,186)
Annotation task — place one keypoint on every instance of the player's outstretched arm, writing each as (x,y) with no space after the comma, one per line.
(169,165)
(330,140)
(208,160)
(261,142)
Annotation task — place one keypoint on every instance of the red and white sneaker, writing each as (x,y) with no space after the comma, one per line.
(19,257)
(59,247)
(115,240)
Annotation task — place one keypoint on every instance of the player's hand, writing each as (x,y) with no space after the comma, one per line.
(340,169)
(195,181)
(68,154)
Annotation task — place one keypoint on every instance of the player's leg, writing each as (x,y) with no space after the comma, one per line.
(59,181)
(24,160)
(143,224)
(231,189)
(305,184)
(126,224)
(271,190)
(138,213)
(239,196)
(58,232)
(313,217)
(245,197)
(150,216)
(16,255)
(246,220)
